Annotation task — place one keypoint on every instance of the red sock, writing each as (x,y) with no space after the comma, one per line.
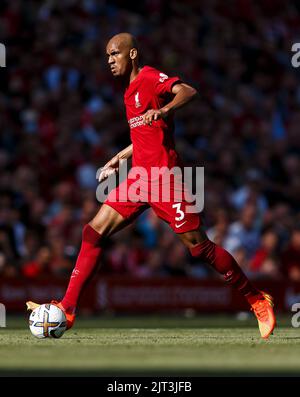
(225,264)
(85,265)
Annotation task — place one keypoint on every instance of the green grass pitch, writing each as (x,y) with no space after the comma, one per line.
(147,345)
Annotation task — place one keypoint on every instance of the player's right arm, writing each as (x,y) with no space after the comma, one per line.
(113,165)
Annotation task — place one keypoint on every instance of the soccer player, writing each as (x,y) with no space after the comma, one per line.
(151,98)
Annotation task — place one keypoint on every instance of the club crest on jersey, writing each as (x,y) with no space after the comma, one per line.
(137,100)
(163,77)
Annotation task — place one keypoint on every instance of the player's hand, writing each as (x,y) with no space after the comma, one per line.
(111,167)
(154,115)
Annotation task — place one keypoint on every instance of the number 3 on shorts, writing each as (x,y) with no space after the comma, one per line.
(178,211)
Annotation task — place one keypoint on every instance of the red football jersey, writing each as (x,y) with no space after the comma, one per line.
(153,145)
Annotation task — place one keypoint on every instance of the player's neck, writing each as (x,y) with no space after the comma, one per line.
(134,73)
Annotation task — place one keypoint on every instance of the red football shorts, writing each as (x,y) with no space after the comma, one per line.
(168,201)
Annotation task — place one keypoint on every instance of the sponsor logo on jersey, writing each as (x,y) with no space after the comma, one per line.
(136,122)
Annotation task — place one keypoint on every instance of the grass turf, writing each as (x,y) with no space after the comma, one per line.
(198,346)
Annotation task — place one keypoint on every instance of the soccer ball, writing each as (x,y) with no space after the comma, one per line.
(47,321)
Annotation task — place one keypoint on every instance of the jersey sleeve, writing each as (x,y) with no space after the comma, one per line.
(163,83)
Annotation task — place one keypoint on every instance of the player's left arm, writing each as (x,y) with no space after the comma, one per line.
(184,93)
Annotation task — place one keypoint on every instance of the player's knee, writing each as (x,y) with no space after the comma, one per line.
(100,226)
(193,239)
(106,222)
(102,221)
(90,235)
(203,249)
(190,244)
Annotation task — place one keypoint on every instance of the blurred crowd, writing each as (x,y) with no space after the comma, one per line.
(62,117)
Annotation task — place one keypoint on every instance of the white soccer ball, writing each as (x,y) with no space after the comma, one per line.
(47,321)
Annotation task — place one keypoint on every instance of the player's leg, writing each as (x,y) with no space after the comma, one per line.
(106,222)
(187,225)
(221,260)
(224,263)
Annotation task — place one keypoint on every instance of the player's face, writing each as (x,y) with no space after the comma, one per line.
(118,59)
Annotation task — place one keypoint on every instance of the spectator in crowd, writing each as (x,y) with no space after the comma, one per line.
(290,258)
(245,232)
(265,262)
(39,266)
(250,193)
(218,231)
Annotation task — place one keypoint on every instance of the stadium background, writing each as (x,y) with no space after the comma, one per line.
(62,117)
